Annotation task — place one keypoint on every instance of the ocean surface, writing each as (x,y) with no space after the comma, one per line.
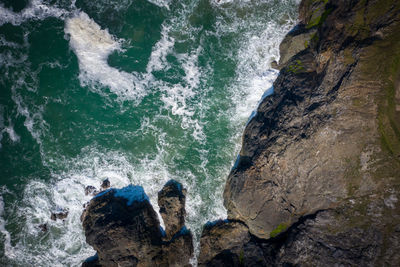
(136,91)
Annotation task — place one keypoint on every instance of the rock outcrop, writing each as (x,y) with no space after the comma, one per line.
(317,180)
(124,229)
(171,200)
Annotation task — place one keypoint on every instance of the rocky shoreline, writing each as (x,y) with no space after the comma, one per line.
(317,181)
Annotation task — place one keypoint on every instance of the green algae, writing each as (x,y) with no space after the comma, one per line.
(279,229)
(296,67)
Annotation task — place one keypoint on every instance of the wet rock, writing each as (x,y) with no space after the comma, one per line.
(274,65)
(92,262)
(59,213)
(43,227)
(105,184)
(123,228)
(90,190)
(171,200)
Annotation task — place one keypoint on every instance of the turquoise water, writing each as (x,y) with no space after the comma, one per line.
(131,90)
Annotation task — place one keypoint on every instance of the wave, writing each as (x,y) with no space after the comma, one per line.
(93,45)
(36,10)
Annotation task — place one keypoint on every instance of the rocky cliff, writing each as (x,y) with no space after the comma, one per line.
(317,181)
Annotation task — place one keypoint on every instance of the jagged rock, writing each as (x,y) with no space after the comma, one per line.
(105,184)
(90,190)
(123,228)
(171,200)
(59,213)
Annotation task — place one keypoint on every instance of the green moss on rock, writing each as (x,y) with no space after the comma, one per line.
(279,229)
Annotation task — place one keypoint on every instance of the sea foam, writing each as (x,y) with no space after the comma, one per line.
(36,10)
(93,45)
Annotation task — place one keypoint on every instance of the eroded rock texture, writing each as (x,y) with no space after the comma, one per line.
(317,181)
(124,229)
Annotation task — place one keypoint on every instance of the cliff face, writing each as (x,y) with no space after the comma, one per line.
(321,157)
(317,181)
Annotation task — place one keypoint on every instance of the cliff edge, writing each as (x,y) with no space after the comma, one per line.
(317,179)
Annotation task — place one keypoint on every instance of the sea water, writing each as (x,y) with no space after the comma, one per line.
(137,92)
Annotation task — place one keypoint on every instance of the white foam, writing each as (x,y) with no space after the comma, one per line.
(160,51)
(161,3)
(93,45)
(65,240)
(34,121)
(11,133)
(254,70)
(36,9)
(1,123)
(8,249)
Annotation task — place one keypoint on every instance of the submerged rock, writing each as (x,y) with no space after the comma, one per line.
(90,190)
(105,184)
(59,213)
(124,229)
(43,227)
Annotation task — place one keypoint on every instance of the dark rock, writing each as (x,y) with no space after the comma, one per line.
(90,190)
(43,227)
(171,200)
(179,249)
(317,240)
(123,228)
(92,262)
(105,184)
(59,213)
(222,243)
